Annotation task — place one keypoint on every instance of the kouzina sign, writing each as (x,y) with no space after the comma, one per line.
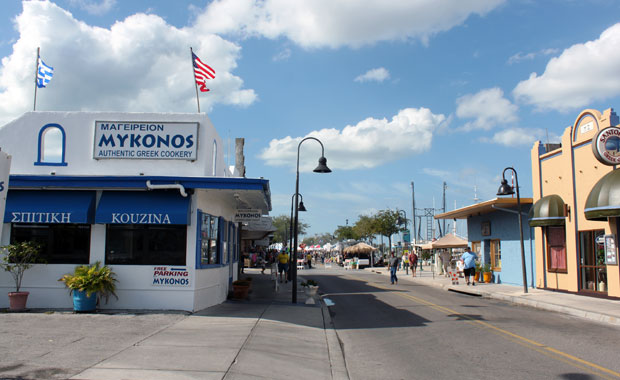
(606,146)
(145,140)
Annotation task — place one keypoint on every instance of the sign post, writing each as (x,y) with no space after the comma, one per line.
(5,168)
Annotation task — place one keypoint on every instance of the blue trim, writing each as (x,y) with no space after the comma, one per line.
(50,207)
(40,146)
(152,207)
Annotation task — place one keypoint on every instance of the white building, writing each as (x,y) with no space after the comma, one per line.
(147,193)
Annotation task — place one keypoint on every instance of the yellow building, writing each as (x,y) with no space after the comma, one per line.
(576,190)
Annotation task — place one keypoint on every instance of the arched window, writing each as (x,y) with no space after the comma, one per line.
(214,157)
(52,140)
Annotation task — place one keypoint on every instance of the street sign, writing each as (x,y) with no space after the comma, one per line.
(407,237)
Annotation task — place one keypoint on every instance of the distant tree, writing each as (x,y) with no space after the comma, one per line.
(345,233)
(282,225)
(366,227)
(388,223)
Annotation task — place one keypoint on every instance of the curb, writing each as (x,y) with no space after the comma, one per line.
(336,355)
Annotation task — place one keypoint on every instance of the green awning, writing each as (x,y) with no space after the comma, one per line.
(604,198)
(547,211)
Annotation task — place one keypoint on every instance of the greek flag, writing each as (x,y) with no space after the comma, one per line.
(44,74)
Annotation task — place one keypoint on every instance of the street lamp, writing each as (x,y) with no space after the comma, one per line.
(322,168)
(506,189)
(290,237)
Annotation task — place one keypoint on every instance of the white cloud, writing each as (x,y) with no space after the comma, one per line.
(377,75)
(488,107)
(139,64)
(520,56)
(328,23)
(368,144)
(94,7)
(283,55)
(582,74)
(520,137)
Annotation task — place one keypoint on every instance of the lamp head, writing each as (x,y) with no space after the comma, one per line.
(322,168)
(505,188)
(301,206)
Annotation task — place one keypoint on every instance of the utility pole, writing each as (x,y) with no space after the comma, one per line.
(445,186)
(413,232)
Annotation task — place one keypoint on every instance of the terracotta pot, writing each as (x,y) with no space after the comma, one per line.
(240,292)
(487,276)
(17,300)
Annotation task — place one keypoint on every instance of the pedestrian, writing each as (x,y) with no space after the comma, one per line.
(394,261)
(445,261)
(405,260)
(309,260)
(260,261)
(469,265)
(413,261)
(282,265)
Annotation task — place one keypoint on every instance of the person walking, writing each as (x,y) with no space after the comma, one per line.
(469,265)
(405,260)
(394,261)
(282,265)
(413,261)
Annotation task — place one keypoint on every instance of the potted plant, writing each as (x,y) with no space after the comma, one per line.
(478,271)
(19,257)
(311,287)
(241,289)
(486,273)
(88,284)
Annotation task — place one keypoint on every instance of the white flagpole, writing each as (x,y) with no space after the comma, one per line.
(195,84)
(36,71)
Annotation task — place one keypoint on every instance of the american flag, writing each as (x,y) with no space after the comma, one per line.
(202,72)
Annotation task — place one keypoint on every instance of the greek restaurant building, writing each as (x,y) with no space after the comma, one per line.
(147,193)
(576,211)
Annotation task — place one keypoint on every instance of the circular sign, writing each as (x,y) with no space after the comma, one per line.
(606,146)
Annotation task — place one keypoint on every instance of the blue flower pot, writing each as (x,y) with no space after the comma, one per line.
(81,303)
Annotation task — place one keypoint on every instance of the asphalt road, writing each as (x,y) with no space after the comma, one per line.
(409,331)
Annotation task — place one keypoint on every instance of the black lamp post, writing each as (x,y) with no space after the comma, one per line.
(506,189)
(322,168)
(290,236)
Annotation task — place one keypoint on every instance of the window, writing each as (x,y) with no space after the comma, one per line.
(225,242)
(556,249)
(475,248)
(52,142)
(496,255)
(61,243)
(145,244)
(209,232)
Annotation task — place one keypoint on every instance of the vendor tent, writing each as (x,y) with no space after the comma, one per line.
(450,241)
(360,248)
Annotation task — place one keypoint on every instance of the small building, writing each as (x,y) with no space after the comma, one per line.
(493,232)
(147,193)
(576,189)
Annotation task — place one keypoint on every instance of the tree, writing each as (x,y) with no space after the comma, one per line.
(282,224)
(345,233)
(366,228)
(388,223)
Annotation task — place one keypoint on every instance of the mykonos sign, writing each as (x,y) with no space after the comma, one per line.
(606,146)
(145,140)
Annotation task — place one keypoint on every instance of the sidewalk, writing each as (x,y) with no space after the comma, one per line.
(596,309)
(265,336)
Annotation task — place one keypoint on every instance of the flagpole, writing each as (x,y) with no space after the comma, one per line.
(36,71)
(195,83)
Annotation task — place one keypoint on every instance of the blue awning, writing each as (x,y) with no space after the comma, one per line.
(143,207)
(49,206)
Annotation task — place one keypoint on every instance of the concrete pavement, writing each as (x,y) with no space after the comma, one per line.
(592,308)
(265,336)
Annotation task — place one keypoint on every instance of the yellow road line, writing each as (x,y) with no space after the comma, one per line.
(546,350)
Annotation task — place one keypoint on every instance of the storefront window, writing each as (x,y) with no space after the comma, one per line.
(592,269)
(145,244)
(496,255)
(208,239)
(61,243)
(556,249)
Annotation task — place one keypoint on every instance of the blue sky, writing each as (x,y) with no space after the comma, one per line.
(398,91)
